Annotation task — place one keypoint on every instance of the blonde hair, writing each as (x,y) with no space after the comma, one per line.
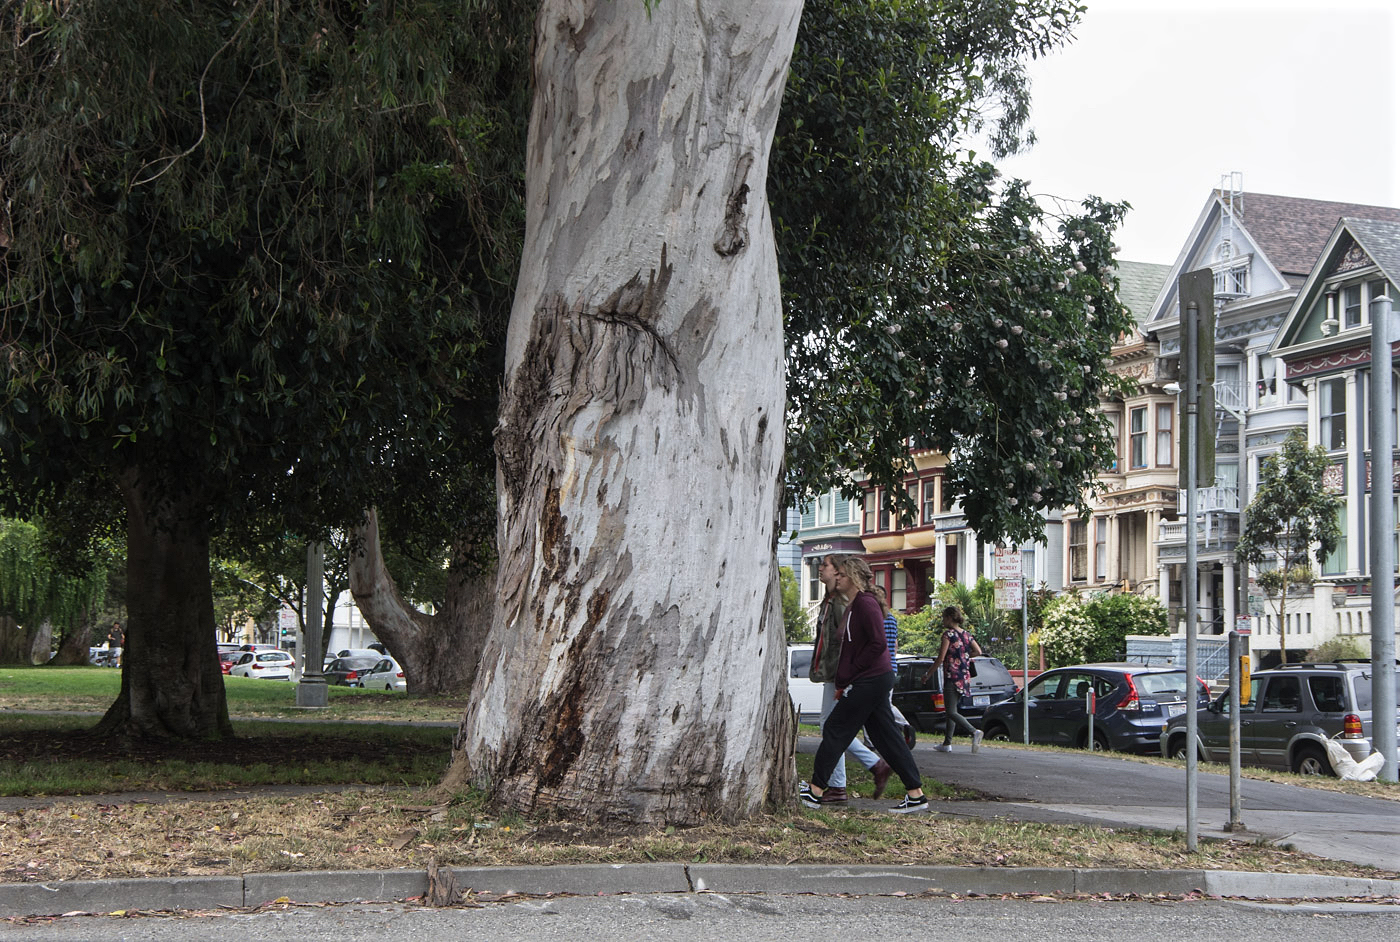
(857,570)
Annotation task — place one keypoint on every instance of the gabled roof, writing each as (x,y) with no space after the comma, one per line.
(1379,239)
(1293,231)
(1288,231)
(1138,286)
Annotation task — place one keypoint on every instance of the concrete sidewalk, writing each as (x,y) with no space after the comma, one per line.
(257,889)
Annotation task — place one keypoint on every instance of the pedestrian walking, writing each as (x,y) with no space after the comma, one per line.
(955,654)
(864,679)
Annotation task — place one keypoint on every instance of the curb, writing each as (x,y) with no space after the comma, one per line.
(349,886)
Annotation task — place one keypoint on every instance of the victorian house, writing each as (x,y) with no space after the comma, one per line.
(1324,352)
(1261,249)
(1113,548)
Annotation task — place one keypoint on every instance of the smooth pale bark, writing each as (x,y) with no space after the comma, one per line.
(439,653)
(634,666)
(172,685)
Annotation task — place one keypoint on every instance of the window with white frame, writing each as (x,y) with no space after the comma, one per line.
(912,516)
(1351,306)
(930,500)
(1166,411)
(1115,430)
(1079,551)
(1100,549)
(867,521)
(1233,280)
(884,510)
(899,590)
(1266,387)
(1332,414)
(814,582)
(1137,437)
(826,509)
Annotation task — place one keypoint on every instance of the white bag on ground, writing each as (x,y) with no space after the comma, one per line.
(1348,769)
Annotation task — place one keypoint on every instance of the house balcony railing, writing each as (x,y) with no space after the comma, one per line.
(1217,519)
(1230,397)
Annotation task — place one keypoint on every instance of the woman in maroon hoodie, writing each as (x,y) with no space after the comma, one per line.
(864,679)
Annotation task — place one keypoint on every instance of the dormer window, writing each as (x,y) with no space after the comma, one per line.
(1348,306)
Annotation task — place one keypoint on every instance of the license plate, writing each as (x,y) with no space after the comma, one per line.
(981,700)
(1175,709)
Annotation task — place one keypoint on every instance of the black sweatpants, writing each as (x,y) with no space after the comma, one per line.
(867,705)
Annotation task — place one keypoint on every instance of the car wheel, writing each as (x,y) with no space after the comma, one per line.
(1176,748)
(996,733)
(1311,760)
(1101,743)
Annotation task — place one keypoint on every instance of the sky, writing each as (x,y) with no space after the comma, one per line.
(1155,102)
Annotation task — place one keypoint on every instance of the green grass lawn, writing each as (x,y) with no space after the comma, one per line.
(93,690)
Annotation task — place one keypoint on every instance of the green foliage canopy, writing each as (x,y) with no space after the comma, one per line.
(1078,631)
(34,589)
(252,247)
(924,299)
(796,624)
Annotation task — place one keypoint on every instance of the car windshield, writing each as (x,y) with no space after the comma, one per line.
(1361,684)
(354,663)
(1169,685)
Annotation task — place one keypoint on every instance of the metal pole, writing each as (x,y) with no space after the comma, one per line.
(1383,727)
(311,689)
(1189,330)
(1025,665)
(1236,824)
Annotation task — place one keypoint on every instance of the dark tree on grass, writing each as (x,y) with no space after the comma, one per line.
(252,262)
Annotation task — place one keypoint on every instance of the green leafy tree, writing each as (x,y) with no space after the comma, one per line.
(41,595)
(1291,517)
(925,299)
(1076,630)
(1116,616)
(257,261)
(1067,635)
(796,624)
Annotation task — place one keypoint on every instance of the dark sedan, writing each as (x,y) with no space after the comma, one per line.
(349,671)
(1131,704)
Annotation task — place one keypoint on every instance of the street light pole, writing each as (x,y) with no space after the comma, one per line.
(1383,729)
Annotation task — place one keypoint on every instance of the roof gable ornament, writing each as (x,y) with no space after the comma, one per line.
(1352,259)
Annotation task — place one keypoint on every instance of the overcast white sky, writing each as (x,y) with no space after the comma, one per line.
(1155,101)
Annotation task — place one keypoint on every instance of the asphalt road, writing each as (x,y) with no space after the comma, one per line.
(707,917)
(1114,790)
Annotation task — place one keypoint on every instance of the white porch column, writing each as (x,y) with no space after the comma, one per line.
(1356,465)
(1231,595)
(1164,584)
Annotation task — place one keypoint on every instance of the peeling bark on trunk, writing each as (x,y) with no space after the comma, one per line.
(172,686)
(439,653)
(634,667)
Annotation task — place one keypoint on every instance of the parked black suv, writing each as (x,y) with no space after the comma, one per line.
(1293,710)
(922,703)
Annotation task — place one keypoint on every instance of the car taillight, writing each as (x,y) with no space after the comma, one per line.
(353,675)
(1130,703)
(1351,726)
(257,667)
(399,674)
(938,705)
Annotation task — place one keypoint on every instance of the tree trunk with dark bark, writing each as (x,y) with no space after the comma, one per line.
(172,686)
(24,644)
(634,669)
(73,647)
(439,653)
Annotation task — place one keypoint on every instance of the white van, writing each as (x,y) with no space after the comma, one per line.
(806,695)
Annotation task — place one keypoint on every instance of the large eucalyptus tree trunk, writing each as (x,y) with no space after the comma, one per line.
(633,669)
(439,653)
